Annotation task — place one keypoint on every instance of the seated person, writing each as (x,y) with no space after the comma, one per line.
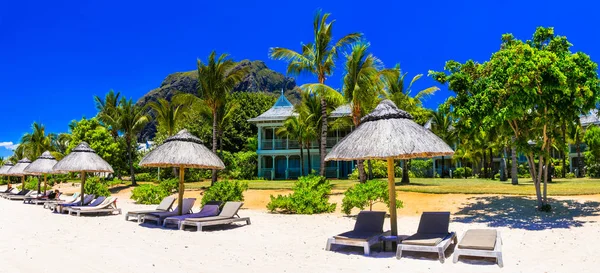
(53,194)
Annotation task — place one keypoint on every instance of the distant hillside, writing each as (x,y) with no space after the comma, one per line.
(259,79)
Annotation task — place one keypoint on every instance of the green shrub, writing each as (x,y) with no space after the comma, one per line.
(311,195)
(114,182)
(458,173)
(148,194)
(31,183)
(379,168)
(593,170)
(225,191)
(558,171)
(497,176)
(422,168)
(245,165)
(169,185)
(94,185)
(196,175)
(367,194)
(468,172)
(570,175)
(145,177)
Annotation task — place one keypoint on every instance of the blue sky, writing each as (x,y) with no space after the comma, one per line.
(56,55)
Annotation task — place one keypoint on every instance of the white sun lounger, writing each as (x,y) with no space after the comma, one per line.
(109,205)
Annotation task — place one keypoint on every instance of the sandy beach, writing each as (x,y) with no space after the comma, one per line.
(36,240)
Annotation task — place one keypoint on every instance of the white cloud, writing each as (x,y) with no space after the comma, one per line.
(9,145)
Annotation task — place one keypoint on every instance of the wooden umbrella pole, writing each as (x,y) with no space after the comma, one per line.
(22,182)
(82,188)
(181,189)
(392,191)
(45,182)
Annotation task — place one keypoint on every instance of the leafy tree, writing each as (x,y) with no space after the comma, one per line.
(132,119)
(521,85)
(317,58)
(367,194)
(592,139)
(100,139)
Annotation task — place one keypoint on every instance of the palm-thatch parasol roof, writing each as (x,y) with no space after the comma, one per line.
(42,165)
(389,133)
(182,150)
(17,170)
(4,169)
(83,159)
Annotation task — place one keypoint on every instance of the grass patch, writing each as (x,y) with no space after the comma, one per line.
(577,186)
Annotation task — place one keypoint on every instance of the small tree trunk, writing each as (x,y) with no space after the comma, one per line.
(360,165)
(370,166)
(514,173)
(405,178)
(579,165)
(214,145)
(483,165)
(564,155)
(491,162)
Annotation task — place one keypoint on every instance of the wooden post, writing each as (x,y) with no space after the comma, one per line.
(181,189)
(22,182)
(82,188)
(45,184)
(392,191)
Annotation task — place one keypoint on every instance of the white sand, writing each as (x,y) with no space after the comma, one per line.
(35,240)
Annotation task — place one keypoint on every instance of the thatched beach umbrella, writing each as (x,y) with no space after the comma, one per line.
(17,170)
(389,133)
(4,169)
(182,150)
(83,159)
(42,166)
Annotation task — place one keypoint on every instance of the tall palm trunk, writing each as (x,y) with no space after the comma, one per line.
(514,174)
(323,145)
(131,172)
(301,159)
(214,144)
(309,159)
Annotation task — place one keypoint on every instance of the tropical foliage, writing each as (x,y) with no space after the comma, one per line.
(366,195)
(310,196)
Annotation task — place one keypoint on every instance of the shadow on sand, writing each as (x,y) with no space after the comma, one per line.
(519,212)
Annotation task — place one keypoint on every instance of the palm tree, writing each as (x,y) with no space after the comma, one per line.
(317,58)
(132,120)
(108,112)
(216,80)
(362,86)
(400,93)
(168,115)
(443,127)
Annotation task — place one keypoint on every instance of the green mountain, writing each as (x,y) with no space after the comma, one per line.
(259,79)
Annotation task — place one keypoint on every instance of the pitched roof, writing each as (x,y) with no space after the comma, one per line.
(281,110)
(342,111)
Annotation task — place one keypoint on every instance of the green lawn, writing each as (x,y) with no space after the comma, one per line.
(579,186)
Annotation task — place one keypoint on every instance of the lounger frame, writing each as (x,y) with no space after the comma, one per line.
(365,244)
(111,208)
(496,253)
(440,248)
(200,224)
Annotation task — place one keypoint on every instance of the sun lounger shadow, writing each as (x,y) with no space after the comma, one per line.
(519,212)
(376,251)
